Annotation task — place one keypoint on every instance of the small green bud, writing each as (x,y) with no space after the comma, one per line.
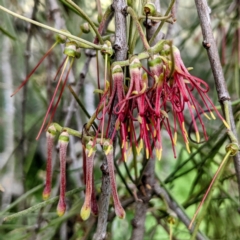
(64,137)
(61,38)
(107,48)
(233,148)
(150,9)
(70,49)
(134,62)
(153,62)
(117,69)
(51,132)
(85,28)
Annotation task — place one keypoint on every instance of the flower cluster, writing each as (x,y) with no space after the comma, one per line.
(161,105)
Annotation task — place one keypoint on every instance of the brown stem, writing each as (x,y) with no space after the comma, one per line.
(223,95)
(120,47)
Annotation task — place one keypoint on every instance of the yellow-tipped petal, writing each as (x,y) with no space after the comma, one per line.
(108,149)
(159,154)
(206,116)
(144,88)
(212,115)
(147,127)
(125,156)
(123,143)
(117,124)
(154,133)
(45,196)
(147,153)
(184,130)
(126,145)
(107,85)
(139,119)
(138,149)
(187,146)
(135,92)
(60,211)
(90,152)
(164,113)
(85,213)
(175,138)
(198,137)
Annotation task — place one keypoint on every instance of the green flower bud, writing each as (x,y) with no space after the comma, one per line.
(85,28)
(61,38)
(70,49)
(107,48)
(150,9)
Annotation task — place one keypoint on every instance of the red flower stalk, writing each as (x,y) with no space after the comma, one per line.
(72,52)
(90,151)
(108,150)
(59,39)
(138,87)
(51,133)
(35,68)
(63,143)
(94,206)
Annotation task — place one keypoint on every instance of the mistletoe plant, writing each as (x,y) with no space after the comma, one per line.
(137,104)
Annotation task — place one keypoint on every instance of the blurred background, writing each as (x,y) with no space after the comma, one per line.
(23,158)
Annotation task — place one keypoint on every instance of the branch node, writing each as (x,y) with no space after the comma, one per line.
(206,44)
(124,11)
(104,169)
(223,99)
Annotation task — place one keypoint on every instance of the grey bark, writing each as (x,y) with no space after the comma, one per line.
(120,47)
(212,51)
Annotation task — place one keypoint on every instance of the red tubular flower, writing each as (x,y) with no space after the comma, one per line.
(177,87)
(139,90)
(160,97)
(108,150)
(94,206)
(90,151)
(51,133)
(63,143)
